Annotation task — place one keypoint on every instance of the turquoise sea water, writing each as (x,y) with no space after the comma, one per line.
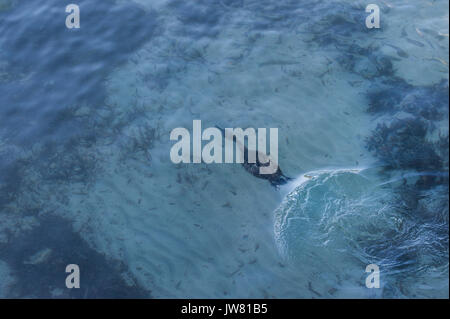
(85,170)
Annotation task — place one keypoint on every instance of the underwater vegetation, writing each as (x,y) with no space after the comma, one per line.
(139,143)
(404,142)
(403,145)
(337,26)
(394,95)
(407,139)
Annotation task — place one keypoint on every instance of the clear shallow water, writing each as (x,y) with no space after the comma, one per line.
(84,144)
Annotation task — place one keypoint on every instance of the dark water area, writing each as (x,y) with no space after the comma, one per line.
(57,243)
(61,69)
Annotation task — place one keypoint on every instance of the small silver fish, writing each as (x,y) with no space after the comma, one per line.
(278,62)
(416,43)
(401,53)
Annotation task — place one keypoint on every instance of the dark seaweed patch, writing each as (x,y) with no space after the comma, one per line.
(336,24)
(368,64)
(394,95)
(402,144)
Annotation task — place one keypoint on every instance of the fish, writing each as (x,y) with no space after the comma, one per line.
(401,53)
(440,60)
(416,43)
(278,62)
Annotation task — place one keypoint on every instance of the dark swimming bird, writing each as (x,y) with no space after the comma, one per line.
(276,179)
